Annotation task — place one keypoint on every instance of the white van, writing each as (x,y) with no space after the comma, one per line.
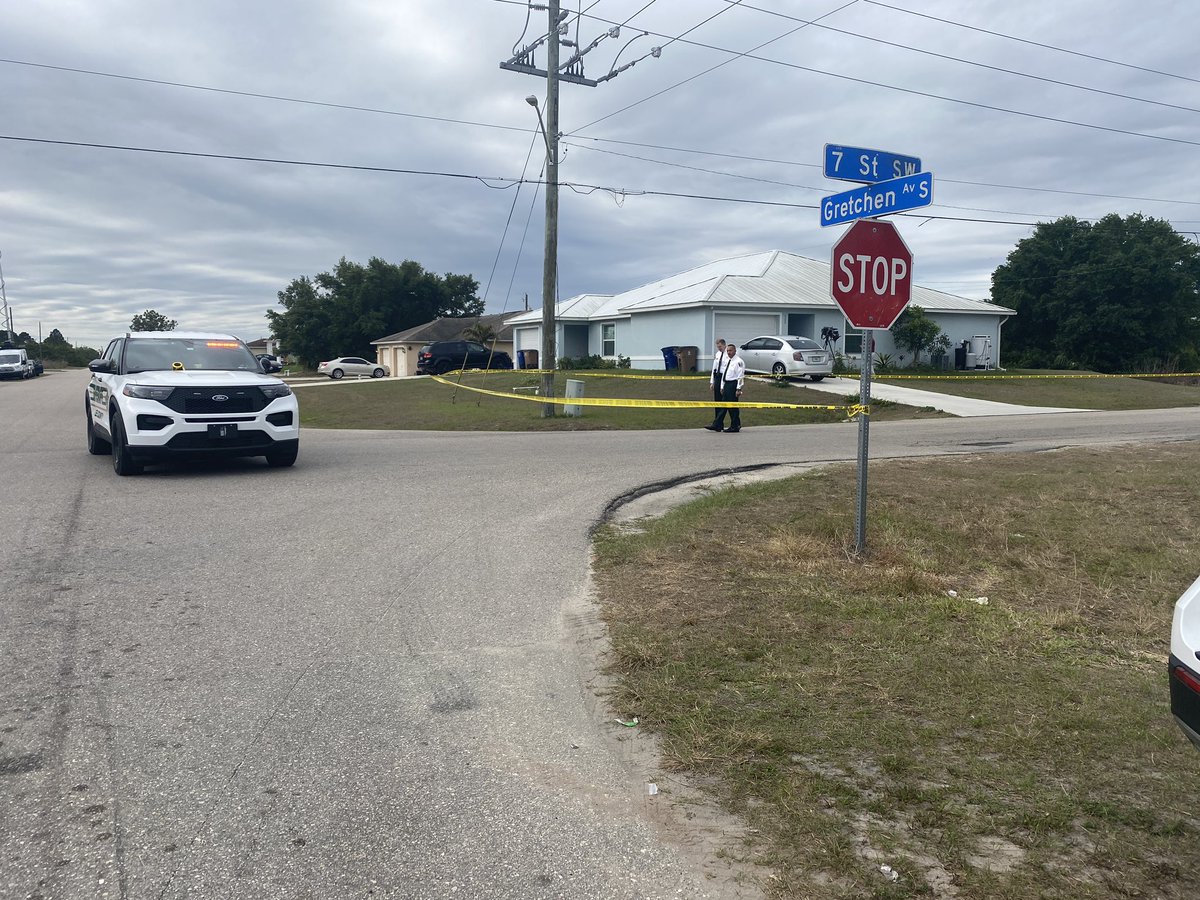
(15,364)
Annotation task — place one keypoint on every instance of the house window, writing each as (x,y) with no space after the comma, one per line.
(853,340)
(608,339)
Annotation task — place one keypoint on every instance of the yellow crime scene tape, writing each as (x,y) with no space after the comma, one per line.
(1018,377)
(853,410)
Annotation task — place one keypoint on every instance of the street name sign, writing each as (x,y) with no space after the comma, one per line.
(869,166)
(871,276)
(881,199)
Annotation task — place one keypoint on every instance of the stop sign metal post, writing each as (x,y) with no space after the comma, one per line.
(871,281)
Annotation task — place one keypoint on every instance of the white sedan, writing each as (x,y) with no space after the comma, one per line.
(1184,663)
(787,355)
(351,365)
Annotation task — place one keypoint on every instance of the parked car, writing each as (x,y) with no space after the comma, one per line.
(1183,665)
(786,355)
(440,357)
(351,365)
(38,368)
(270,363)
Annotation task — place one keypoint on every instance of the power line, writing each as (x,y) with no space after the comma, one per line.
(494,126)
(966,62)
(1010,37)
(927,94)
(710,69)
(789,162)
(502,182)
(259,96)
(505,182)
(509,182)
(803,187)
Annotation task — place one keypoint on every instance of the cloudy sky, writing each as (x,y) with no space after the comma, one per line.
(413,140)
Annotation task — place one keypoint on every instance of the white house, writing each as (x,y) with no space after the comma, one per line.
(773,292)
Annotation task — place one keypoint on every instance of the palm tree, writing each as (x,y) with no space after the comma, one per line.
(481,332)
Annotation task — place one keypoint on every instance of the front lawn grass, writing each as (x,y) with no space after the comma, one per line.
(858,714)
(425,404)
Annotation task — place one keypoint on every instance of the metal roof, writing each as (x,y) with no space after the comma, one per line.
(769,278)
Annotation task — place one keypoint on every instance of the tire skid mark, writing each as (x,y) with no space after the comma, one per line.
(50,574)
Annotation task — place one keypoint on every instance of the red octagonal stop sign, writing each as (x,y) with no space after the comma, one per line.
(871,278)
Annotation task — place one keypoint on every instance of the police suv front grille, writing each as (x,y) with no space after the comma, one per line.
(239,440)
(216,400)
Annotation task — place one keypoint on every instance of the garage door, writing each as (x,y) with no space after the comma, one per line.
(526,338)
(740,327)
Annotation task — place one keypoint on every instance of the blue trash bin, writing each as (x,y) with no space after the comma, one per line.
(520,359)
(670,358)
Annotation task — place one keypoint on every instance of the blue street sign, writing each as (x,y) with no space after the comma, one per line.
(870,166)
(880,199)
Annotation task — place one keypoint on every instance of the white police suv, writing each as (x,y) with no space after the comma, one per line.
(156,395)
(1183,665)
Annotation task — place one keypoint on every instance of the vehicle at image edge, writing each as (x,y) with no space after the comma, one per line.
(352,365)
(1183,665)
(158,395)
(786,355)
(440,357)
(14,363)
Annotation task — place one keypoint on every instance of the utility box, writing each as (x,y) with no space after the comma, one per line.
(574,390)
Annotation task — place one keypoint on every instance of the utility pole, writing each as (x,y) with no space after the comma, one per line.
(555,72)
(8,332)
(549,360)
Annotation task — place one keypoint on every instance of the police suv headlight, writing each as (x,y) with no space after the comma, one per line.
(146,392)
(275,391)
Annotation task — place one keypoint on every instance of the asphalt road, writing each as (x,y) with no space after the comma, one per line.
(365,676)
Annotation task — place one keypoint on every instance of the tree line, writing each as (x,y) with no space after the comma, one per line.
(54,351)
(1115,295)
(339,313)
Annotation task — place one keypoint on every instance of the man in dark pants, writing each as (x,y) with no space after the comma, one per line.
(734,379)
(715,381)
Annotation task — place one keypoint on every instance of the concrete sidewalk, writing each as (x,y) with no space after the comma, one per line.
(947,403)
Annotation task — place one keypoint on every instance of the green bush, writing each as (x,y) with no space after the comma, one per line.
(595,361)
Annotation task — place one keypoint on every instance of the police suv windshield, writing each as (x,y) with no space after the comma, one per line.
(180,354)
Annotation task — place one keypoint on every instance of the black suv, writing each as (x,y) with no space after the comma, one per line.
(441,357)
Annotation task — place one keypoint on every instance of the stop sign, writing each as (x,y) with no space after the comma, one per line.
(871,274)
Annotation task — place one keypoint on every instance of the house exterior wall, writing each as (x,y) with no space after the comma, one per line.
(624,343)
(642,336)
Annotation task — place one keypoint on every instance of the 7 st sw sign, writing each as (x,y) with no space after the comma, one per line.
(871,274)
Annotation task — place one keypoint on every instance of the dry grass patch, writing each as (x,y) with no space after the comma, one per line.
(859,715)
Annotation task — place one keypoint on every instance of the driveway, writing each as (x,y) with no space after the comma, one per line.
(947,403)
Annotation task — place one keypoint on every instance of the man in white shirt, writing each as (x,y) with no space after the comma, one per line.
(733,380)
(715,378)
